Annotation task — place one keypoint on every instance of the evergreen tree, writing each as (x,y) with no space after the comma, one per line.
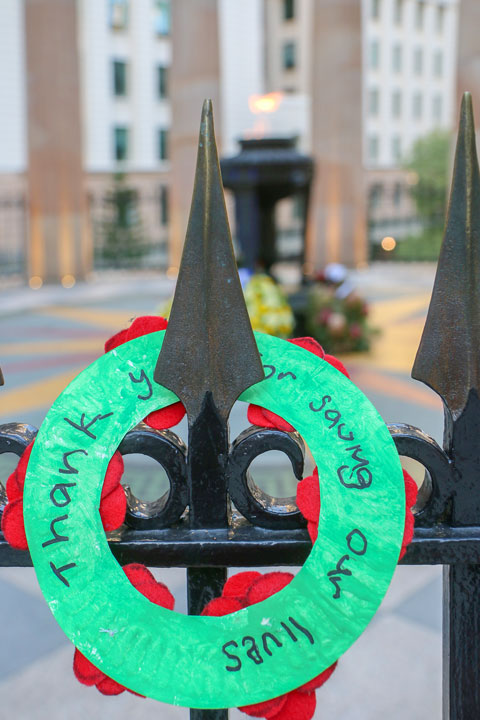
(123,240)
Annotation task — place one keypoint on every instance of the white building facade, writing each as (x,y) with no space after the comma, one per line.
(125,56)
(409,70)
(125,52)
(409,91)
(410,50)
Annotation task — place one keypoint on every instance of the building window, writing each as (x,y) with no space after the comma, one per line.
(373,148)
(121,149)
(418,61)
(396,148)
(440,18)
(397,58)
(397,104)
(289,60)
(162,20)
(375,8)
(417,106)
(162,82)
(164,218)
(438,64)
(375,196)
(118,14)
(419,15)
(437,108)
(298,208)
(288,9)
(119,69)
(398,12)
(374,54)
(162,144)
(397,194)
(373,102)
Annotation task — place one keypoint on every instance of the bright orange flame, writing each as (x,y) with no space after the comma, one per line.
(265,103)
(260,129)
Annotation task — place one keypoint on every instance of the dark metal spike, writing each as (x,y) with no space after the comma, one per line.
(2,381)
(447,359)
(209,347)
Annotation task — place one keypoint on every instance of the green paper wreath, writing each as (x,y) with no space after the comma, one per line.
(148,648)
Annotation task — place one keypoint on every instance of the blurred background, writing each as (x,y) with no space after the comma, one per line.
(335,123)
(101,106)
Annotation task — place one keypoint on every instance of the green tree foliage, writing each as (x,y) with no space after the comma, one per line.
(429,166)
(123,239)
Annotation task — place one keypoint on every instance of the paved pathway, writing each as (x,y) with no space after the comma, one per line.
(47,337)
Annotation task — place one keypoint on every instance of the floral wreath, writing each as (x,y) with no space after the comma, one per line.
(240,590)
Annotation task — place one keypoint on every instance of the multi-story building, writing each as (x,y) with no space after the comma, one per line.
(13,145)
(409,90)
(409,74)
(121,82)
(409,71)
(125,56)
(409,67)
(406,70)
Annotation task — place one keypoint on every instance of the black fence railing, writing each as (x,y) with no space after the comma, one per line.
(129,227)
(13,234)
(448,525)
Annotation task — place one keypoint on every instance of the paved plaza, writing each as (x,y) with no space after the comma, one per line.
(48,336)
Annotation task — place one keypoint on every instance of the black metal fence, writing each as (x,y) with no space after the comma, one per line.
(213,471)
(129,227)
(13,234)
(130,230)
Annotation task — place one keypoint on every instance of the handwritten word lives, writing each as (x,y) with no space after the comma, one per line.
(251,649)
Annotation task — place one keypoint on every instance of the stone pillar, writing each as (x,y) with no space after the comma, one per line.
(469,56)
(337,231)
(195,76)
(59,238)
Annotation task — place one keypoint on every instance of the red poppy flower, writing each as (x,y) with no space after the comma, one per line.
(241,590)
(158,593)
(171,415)
(308,492)
(113,503)
(308,502)
(267,419)
(248,588)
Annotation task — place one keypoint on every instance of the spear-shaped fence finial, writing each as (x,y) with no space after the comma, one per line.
(209,347)
(448,358)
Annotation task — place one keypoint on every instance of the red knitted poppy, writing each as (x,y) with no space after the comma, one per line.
(113,503)
(308,491)
(158,593)
(248,588)
(241,590)
(265,418)
(158,419)
(308,502)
